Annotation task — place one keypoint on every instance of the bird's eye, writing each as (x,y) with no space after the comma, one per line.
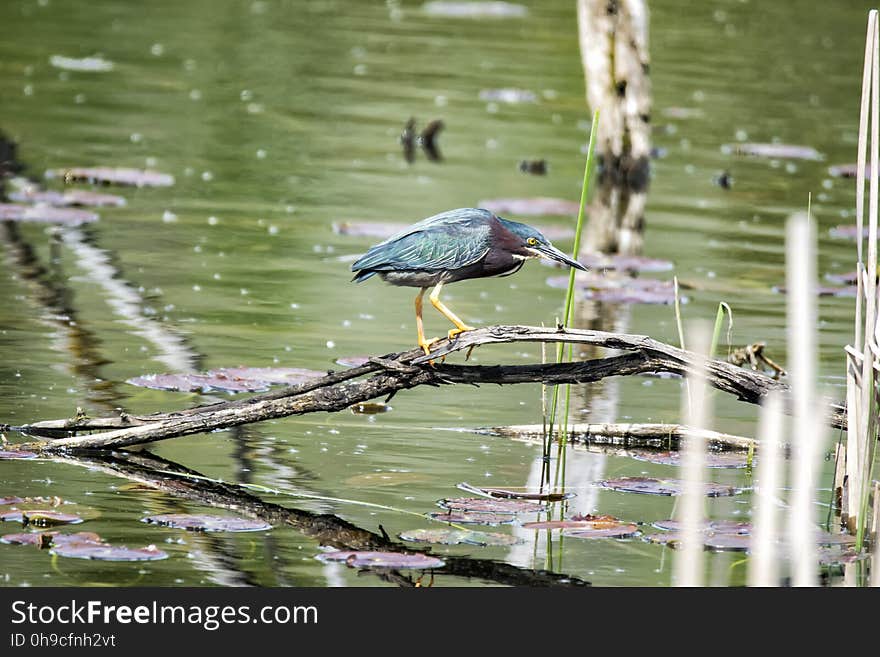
(531,241)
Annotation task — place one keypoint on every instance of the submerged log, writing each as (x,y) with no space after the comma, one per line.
(629,434)
(394,372)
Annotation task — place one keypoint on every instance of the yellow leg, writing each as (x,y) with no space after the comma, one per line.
(423,343)
(460,326)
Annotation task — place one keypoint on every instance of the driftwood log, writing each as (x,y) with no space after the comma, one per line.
(389,374)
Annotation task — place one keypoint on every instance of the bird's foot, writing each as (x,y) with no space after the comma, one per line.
(426,345)
(454,333)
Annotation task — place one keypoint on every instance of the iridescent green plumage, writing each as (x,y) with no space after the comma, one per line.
(453,246)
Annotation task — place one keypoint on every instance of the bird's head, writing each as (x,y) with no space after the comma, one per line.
(532,244)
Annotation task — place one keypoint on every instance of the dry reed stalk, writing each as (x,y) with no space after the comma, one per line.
(695,404)
(801,282)
(764,565)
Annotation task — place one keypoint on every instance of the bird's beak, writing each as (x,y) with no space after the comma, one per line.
(550,252)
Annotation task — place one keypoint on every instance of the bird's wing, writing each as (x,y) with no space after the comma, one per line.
(446,241)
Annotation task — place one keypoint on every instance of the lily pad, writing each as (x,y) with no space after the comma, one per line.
(604,529)
(846,231)
(266,375)
(440,536)
(113,176)
(781,151)
(10,500)
(40,517)
(16,454)
(716,526)
(72,197)
(848,278)
(827,538)
(458,536)
(491,505)
(52,538)
(711,459)
(652,486)
(105,552)
(473,517)
(45,214)
(825,291)
(725,542)
(628,263)
(532,207)
(847,170)
(447,9)
(196,383)
(510,96)
(396,560)
(832,556)
(208,523)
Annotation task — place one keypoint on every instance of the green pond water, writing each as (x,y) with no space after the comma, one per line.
(278,119)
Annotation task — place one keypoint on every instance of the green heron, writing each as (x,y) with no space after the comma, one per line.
(454,246)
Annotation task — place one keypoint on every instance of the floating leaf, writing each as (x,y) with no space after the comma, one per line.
(113,176)
(40,517)
(266,375)
(441,536)
(849,278)
(717,526)
(541,206)
(473,517)
(711,459)
(105,552)
(10,500)
(652,486)
(832,556)
(352,361)
(16,454)
(447,9)
(491,505)
(357,559)
(627,263)
(664,538)
(782,151)
(52,538)
(725,542)
(510,96)
(490,539)
(45,214)
(847,231)
(847,170)
(208,523)
(84,64)
(196,383)
(72,197)
(825,291)
(604,529)
(827,538)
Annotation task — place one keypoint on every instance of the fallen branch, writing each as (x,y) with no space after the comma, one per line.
(394,372)
(628,435)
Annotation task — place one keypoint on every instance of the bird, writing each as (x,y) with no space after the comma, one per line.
(454,246)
